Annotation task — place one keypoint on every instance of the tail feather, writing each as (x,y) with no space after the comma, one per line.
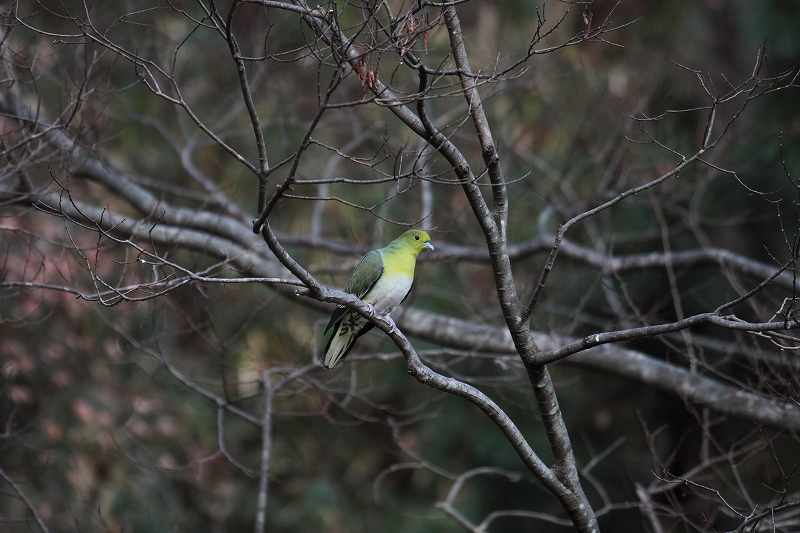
(345,333)
(339,345)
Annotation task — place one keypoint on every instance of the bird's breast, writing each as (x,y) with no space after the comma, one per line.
(388,292)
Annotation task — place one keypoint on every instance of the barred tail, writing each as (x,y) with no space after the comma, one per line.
(345,333)
(339,345)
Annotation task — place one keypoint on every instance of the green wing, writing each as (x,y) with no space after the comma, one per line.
(366,273)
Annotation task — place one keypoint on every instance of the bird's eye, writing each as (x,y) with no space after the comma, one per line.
(416,237)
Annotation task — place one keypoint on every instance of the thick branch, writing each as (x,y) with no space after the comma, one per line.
(614,360)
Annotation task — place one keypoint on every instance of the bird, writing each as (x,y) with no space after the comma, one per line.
(382,280)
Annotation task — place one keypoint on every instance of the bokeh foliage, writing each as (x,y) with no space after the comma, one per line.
(108,441)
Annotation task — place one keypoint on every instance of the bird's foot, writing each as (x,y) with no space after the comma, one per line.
(393,328)
(371,310)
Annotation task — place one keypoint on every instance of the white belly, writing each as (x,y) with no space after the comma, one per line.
(388,292)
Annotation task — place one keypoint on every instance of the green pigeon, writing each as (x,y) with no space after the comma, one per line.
(382,279)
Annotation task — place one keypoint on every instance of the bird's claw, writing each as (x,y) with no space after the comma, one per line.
(370,310)
(393,328)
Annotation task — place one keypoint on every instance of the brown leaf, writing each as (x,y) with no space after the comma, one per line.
(368,77)
(587,22)
(409,39)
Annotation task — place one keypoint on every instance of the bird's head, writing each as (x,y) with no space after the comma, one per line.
(415,239)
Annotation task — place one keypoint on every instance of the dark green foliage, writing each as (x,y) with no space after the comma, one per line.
(103,438)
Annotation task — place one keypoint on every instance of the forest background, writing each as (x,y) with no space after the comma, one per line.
(140,393)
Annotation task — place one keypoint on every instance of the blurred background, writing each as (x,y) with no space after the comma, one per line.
(102,437)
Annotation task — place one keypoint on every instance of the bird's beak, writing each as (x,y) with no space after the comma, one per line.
(427,245)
